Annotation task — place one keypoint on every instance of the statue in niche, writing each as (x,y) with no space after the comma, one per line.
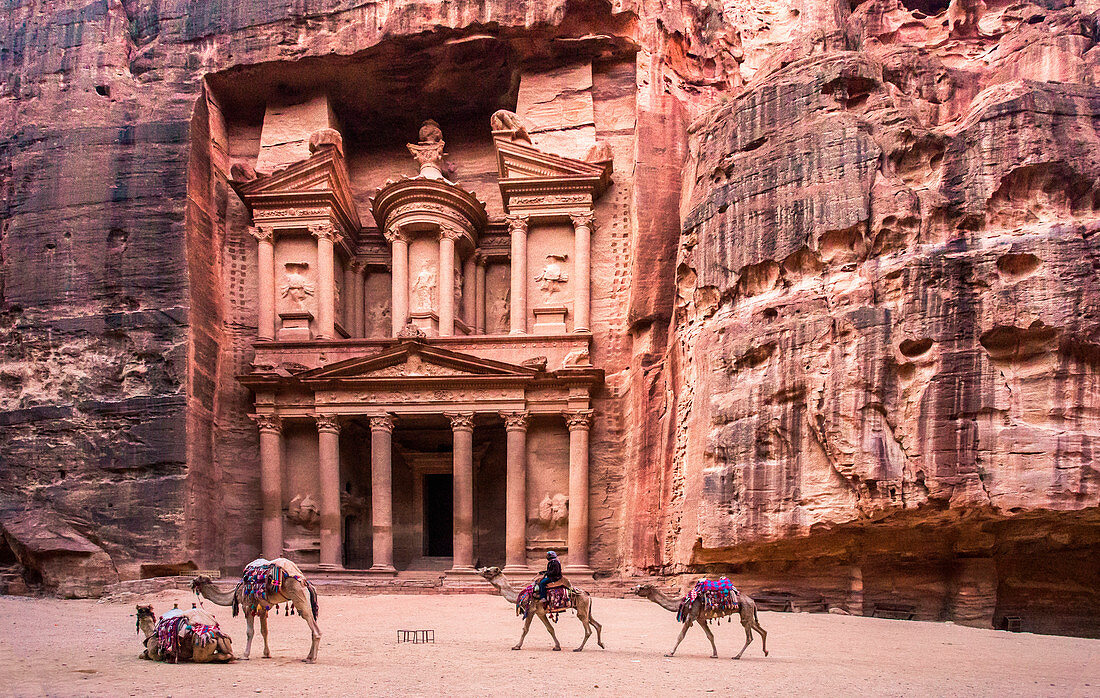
(501,311)
(458,289)
(429,150)
(423,291)
(504,120)
(304,511)
(552,515)
(296,287)
(552,277)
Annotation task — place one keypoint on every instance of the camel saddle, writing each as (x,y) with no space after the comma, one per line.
(558,598)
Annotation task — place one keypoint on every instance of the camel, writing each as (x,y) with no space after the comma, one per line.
(221,650)
(581,601)
(299,593)
(747,611)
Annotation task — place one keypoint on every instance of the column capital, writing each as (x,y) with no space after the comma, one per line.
(516,421)
(395,234)
(460,421)
(263,233)
(480,258)
(579,420)
(516,223)
(382,422)
(328,423)
(583,219)
(267,422)
(450,232)
(358,265)
(324,231)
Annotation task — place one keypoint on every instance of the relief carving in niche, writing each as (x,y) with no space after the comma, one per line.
(552,278)
(423,291)
(296,286)
(549,523)
(458,289)
(499,312)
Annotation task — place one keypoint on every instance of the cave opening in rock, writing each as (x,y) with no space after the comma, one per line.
(929,8)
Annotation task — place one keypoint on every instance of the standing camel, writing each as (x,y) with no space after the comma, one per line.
(698,613)
(294,589)
(578,598)
(212,646)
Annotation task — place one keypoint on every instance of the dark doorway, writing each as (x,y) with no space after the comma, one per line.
(438,515)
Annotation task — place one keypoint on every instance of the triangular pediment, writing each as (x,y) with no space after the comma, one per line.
(521,160)
(416,360)
(322,176)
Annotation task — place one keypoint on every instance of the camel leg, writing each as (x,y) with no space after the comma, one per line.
(763,636)
(550,629)
(748,639)
(710,636)
(595,624)
(683,631)
(301,602)
(250,630)
(526,627)
(263,634)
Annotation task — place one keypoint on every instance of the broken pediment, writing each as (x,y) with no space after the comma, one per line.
(320,179)
(533,179)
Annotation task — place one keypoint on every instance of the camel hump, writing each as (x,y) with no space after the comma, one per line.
(289,567)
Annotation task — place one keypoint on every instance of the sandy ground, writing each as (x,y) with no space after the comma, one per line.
(53,647)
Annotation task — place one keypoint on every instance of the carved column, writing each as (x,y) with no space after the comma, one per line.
(328,451)
(579,423)
(447,237)
(271,484)
(358,283)
(462,426)
(469,295)
(517,225)
(266,261)
(399,295)
(515,529)
(381,503)
(583,224)
(326,280)
(479,295)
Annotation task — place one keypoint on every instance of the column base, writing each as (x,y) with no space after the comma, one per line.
(518,571)
(463,571)
(383,570)
(578,572)
(330,567)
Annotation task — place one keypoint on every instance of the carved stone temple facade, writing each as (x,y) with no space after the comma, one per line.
(377,440)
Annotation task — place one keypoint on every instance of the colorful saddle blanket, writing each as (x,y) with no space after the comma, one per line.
(719,598)
(265,578)
(175,624)
(557,600)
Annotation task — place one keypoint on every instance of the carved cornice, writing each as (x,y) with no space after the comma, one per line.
(516,421)
(584,219)
(516,224)
(579,420)
(263,233)
(383,422)
(460,421)
(327,423)
(267,422)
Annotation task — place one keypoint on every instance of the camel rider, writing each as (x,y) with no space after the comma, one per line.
(552,573)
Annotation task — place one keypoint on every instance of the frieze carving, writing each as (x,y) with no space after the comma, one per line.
(263,233)
(577,357)
(411,331)
(536,362)
(267,422)
(579,420)
(382,422)
(517,224)
(461,421)
(549,200)
(315,212)
(516,421)
(584,219)
(328,423)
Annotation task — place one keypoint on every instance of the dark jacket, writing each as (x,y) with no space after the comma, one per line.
(553,570)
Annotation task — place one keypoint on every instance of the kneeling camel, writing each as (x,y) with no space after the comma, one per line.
(218,649)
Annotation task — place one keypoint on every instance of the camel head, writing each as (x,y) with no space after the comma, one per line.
(489,573)
(199,582)
(145,613)
(643,589)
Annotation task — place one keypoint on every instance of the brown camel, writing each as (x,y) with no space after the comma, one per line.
(299,593)
(221,650)
(579,598)
(746,609)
